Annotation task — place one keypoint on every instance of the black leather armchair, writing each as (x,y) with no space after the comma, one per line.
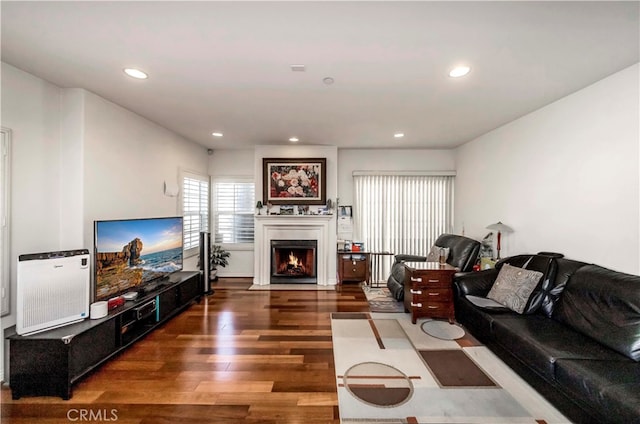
(463,254)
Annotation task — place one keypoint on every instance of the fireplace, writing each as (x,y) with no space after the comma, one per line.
(320,228)
(294,261)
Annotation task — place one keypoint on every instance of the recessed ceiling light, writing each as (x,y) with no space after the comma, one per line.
(217,134)
(294,139)
(298,68)
(135,73)
(398,135)
(459,71)
(328,80)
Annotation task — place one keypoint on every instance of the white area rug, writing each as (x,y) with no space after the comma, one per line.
(390,356)
(442,329)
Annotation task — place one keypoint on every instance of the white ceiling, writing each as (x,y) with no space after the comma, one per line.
(225,66)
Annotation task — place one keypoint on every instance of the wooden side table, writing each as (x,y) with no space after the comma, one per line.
(353,266)
(428,290)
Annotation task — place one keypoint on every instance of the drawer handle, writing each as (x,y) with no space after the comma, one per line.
(354,270)
(434,281)
(416,291)
(416,305)
(433,294)
(432,307)
(417,280)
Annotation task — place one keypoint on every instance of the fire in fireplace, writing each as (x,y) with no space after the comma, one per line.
(294,266)
(294,261)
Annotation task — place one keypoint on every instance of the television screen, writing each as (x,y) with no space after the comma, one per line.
(131,253)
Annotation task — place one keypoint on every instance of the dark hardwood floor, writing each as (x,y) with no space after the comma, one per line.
(238,356)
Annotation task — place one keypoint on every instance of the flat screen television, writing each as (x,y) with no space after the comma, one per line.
(131,253)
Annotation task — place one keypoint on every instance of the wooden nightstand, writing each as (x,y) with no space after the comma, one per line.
(428,290)
(353,266)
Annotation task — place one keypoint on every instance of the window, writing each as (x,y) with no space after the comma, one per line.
(403,214)
(233,209)
(195,209)
(5,141)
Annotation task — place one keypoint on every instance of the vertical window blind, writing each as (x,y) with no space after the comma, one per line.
(402,214)
(234,208)
(195,201)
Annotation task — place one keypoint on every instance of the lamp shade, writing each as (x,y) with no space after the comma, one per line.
(500,227)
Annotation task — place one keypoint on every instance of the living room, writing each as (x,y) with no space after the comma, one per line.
(565,176)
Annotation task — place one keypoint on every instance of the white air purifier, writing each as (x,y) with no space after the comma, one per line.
(52,290)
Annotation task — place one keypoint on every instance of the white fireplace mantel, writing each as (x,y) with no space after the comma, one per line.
(295,227)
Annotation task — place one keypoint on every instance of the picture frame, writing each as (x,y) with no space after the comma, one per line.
(293,181)
(286,210)
(345,211)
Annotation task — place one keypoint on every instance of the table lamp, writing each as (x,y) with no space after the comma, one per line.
(500,228)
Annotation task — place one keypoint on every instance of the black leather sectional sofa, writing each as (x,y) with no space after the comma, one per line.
(578,342)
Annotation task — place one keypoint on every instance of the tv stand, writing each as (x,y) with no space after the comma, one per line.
(50,362)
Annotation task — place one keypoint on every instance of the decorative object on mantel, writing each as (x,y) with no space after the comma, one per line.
(329,206)
(259,207)
(286,210)
(500,228)
(294,181)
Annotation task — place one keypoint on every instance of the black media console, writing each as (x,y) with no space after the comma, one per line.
(50,362)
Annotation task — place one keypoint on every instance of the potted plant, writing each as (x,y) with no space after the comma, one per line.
(217,257)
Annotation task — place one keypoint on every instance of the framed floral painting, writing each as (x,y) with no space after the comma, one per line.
(294,181)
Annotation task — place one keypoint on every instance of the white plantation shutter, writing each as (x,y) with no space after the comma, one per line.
(233,209)
(402,214)
(195,201)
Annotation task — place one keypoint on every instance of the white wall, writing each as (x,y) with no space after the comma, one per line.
(72,132)
(127,160)
(249,163)
(77,157)
(31,109)
(350,160)
(234,163)
(565,177)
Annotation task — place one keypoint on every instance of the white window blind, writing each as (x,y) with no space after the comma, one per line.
(402,214)
(233,209)
(195,201)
